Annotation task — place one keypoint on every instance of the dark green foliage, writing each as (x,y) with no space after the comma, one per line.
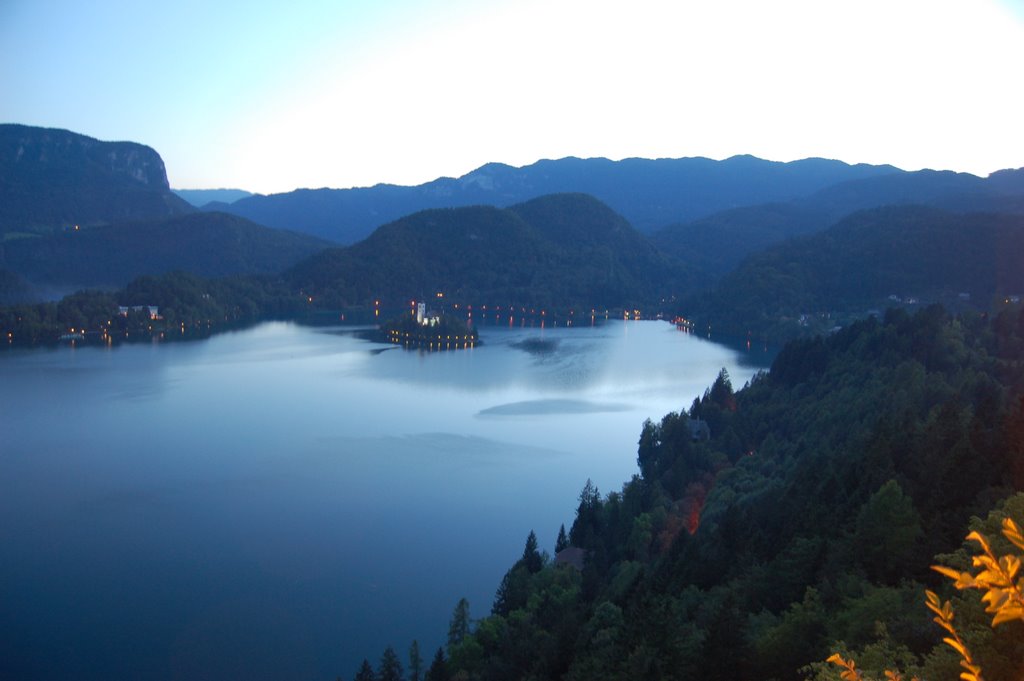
(438,668)
(885,533)
(14,289)
(587,524)
(188,306)
(365,672)
(415,662)
(914,254)
(515,585)
(812,512)
(389,669)
(206,244)
(511,591)
(717,243)
(560,250)
(562,541)
(458,628)
(532,559)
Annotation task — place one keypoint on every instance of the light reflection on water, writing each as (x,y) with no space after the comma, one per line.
(284,501)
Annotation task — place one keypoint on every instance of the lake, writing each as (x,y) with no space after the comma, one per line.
(283,501)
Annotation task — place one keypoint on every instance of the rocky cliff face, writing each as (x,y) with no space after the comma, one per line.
(26,151)
(52,179)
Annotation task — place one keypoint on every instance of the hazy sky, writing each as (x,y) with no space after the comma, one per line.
(270,96)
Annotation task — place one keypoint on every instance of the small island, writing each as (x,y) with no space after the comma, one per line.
(428,331)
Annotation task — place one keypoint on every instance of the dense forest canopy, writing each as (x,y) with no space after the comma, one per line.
(566,249)
(909,255)
(186,306)
(206,244)
(717,243)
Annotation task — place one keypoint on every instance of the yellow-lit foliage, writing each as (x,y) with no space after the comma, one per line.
(997,577)
(1002,586)
(850,671)
(944,618)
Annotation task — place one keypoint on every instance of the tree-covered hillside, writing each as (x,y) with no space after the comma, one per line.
(801,522)
(718,243)
(186,306)
(873,259)
(566,250)
(207,244)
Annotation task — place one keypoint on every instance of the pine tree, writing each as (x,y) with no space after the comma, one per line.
(585,527)
(459,627)
(531,556)
(721,393)
(390,669)
(502,597)
(365,672)
(415,662)
(563,541)
(438,668)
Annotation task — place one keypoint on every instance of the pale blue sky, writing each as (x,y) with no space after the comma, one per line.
(270,96)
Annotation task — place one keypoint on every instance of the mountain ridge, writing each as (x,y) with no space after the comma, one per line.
(717,243)
(649,193)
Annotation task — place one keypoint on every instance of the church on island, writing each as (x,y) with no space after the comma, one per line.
(429,331)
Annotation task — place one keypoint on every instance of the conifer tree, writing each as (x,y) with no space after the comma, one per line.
(563,541)
(415,662)
(438,668)
(531,556)
(390,669)
(365,672)
(459,627)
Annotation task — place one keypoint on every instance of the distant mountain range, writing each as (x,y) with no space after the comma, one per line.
(567,249)
(213,198)
(778,249)
(717,243)
(648,193)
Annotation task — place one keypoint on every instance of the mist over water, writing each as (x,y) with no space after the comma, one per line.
(283,501)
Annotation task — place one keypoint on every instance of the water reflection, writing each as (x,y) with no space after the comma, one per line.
(552,407)
(281,502)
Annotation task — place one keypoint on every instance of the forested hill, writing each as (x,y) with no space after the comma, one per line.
(719,242)
(809,516)
(561,250)
(207,244)
(869,261)
(649,193)
(53,179)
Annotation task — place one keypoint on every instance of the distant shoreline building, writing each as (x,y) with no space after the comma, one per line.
(152,310)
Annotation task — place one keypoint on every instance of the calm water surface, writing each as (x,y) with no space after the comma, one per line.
(280,502)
